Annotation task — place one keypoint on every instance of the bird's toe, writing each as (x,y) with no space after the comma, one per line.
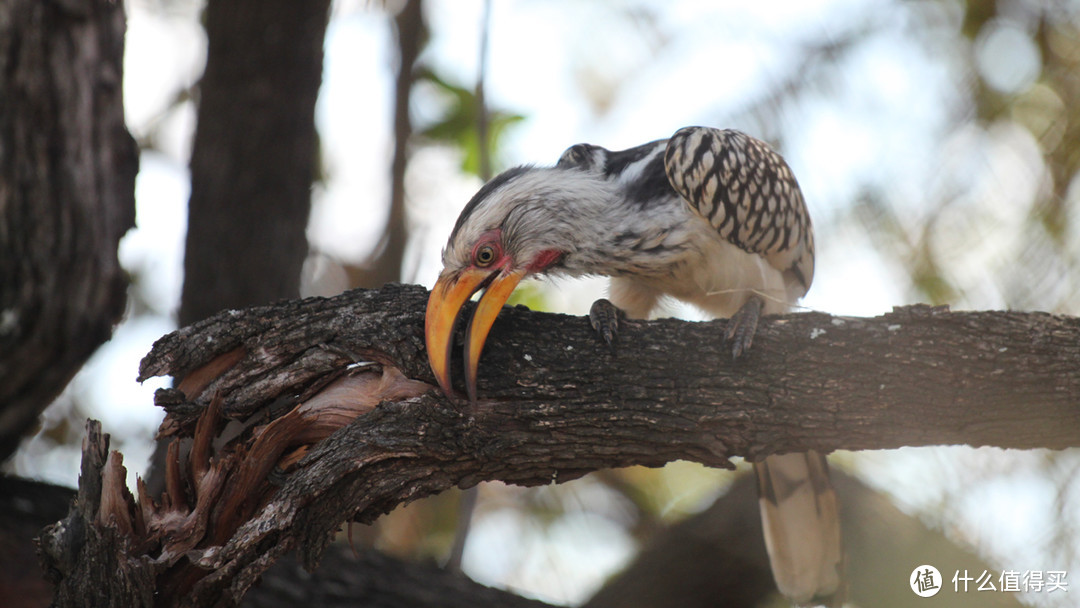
(743,325)
(604,318)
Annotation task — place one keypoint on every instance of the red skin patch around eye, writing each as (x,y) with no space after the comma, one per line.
(494,239)
(544,260)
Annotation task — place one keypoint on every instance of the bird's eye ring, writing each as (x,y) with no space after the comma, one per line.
(485,256)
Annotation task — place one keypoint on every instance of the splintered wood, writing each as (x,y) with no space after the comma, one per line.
(219,472)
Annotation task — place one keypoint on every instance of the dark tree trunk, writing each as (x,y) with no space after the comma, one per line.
(254,155)
(67,186)
(253,159)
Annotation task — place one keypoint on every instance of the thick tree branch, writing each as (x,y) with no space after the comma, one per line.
(916,376)
(555,404)
(347,577)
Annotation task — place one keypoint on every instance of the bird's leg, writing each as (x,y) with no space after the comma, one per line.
(743,324)
(604,318)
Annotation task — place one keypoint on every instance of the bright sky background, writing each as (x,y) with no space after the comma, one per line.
(577,75)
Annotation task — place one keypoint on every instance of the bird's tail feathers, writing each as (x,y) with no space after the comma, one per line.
(801,520)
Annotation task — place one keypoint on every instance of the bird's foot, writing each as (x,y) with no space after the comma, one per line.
(604,318)
(743,325)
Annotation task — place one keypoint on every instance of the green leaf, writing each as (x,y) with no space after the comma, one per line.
(458,125)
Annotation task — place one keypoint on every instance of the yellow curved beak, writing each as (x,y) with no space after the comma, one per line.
(447,298)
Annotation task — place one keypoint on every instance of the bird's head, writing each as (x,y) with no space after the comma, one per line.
(526,221)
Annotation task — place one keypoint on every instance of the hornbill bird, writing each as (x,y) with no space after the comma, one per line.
(711,217)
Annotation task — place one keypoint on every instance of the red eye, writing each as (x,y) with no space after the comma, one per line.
(485,255)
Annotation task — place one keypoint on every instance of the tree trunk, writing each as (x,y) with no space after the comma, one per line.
(255,154)
(254,159)
(67,187)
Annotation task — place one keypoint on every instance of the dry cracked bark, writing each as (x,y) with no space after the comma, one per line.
(310,413)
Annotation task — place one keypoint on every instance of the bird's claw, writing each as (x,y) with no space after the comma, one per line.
(604,318)
(743,325)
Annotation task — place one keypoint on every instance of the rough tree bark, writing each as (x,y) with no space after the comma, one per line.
(254,156)
(67,186)
(333,418)
(67,195)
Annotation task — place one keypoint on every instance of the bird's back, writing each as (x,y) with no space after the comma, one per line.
(714,270)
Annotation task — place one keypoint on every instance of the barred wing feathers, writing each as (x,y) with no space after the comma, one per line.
(747,192)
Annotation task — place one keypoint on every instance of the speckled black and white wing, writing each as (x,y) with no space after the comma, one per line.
(748,193)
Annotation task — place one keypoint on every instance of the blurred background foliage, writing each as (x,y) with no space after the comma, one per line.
(457,127)
(938,142)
